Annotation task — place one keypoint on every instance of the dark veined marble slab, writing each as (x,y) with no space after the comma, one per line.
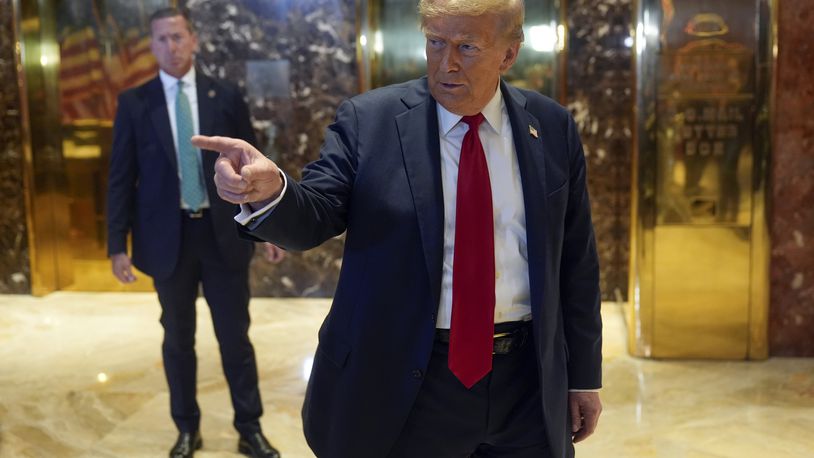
(15,275)
(296,61)
(599,78)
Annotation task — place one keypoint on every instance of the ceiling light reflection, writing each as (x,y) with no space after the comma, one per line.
(543,38)
(378,42)
(307,363)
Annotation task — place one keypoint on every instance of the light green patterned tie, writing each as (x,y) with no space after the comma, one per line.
(192,187)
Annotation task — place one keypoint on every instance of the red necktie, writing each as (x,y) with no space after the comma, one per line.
(473,266)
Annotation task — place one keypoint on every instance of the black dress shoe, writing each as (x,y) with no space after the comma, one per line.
(186,445)
(256,446)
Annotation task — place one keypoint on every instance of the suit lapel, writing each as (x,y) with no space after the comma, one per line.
(531,161)
(206,102)
(161,119)
(421,150)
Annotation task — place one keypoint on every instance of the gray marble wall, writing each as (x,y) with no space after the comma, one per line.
(296,61)
(15,276)
(600,79)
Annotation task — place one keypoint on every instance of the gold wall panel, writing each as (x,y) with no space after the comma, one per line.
(701,291)
(699,254)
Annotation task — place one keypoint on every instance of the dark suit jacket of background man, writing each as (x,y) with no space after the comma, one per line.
(379,178)
(144,194)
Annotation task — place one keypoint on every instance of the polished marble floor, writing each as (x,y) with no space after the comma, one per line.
(80,376)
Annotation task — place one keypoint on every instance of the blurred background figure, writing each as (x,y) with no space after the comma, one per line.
(183,236)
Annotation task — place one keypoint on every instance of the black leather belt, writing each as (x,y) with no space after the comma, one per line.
(193,214)
(508,336)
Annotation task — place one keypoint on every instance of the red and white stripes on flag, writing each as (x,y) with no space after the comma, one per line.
(91,76)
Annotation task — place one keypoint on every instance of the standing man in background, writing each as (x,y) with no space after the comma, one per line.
(466,321)
(161,191)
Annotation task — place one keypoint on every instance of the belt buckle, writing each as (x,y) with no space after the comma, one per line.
(195,214)
(494,342)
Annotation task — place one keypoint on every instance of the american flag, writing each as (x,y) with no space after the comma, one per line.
(95,66)
(140,63)
(82,77)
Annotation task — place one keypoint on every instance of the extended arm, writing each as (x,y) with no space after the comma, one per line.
(311,211)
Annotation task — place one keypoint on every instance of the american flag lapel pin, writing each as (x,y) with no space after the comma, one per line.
(532,131)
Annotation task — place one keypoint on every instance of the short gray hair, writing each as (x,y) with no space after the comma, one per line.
(511,12)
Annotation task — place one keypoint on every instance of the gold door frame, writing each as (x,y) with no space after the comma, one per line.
(46,210)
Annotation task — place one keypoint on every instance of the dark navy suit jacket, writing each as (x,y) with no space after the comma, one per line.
(379,178)
(143,188)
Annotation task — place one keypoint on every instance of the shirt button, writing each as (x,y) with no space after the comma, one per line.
(417,373)
(497,275)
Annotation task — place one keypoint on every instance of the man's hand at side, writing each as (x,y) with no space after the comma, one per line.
(585,409)
(122,267)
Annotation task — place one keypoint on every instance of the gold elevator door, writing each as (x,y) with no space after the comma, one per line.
(86,149)
(76,58)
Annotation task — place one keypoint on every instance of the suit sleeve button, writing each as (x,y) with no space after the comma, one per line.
(417,373)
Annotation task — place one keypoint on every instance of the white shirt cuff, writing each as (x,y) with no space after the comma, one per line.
(251,219)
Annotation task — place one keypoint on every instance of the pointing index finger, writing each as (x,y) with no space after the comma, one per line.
(232,148)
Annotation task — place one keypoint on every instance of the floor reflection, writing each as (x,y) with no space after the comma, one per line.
(80,376)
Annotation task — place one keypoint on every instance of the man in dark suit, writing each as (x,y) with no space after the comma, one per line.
(466,318)
(182,234)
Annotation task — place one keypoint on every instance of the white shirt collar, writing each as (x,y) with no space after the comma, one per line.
(493,112)
(170,82)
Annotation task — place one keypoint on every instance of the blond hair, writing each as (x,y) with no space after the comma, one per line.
(511,12)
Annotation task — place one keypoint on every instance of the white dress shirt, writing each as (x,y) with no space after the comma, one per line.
(511,254)
(170,84)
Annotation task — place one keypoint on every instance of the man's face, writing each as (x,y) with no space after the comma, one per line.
(173,45)
(465,57)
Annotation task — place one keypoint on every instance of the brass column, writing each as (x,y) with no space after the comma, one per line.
(699,241)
